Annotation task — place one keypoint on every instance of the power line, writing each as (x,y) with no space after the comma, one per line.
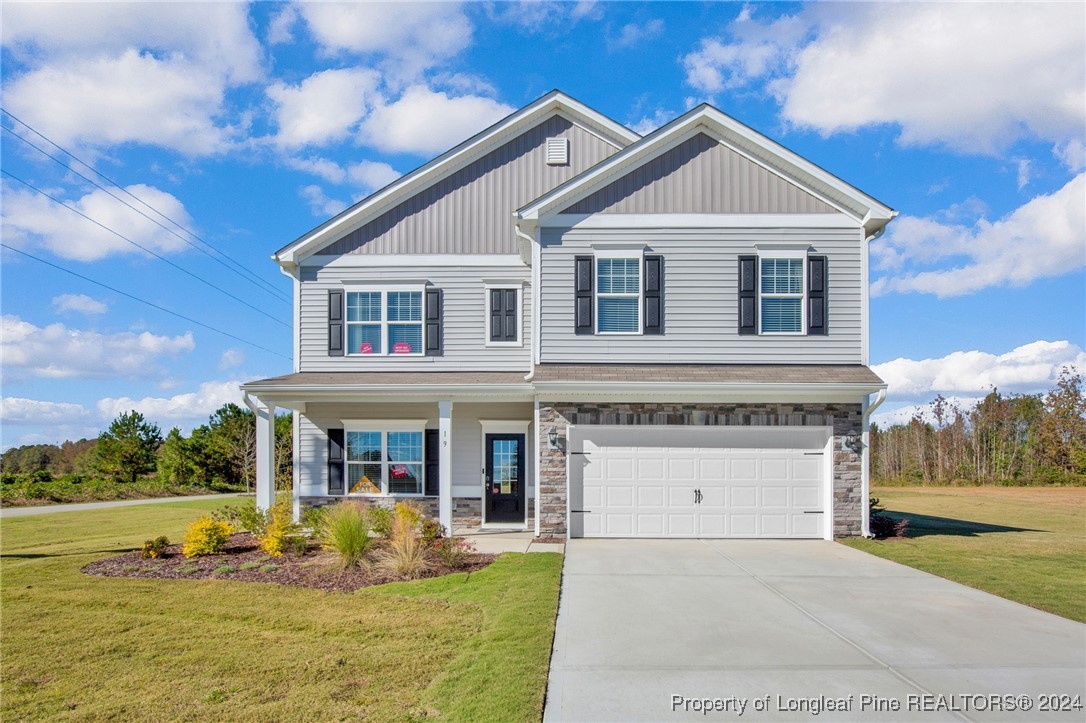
(143,301)
(249,275)
(121,236)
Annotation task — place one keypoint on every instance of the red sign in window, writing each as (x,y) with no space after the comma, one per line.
(401,347)
(366,348)
(398,471)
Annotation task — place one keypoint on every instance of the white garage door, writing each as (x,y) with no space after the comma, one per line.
(698,482)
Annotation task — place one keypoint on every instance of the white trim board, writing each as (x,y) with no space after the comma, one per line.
(699,220)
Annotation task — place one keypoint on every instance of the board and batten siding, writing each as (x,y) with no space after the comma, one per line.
(470,211)
(701,175)
(700,299)
(467,440)
(464,321)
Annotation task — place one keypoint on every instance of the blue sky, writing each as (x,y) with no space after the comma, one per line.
(250,124)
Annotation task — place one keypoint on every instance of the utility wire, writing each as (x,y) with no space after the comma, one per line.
(249,275)
(143,301)
(121,236)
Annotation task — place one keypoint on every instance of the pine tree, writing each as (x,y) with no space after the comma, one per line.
(128,448)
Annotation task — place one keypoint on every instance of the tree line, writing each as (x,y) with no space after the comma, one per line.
(1004,439)
(220,453)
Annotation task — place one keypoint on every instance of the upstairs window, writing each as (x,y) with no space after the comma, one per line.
(618,295)
(384,322)
(781,295)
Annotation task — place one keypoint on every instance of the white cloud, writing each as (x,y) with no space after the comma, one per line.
(371,175)
(31,219)
(426,122)
(281,26)
(323,108)
(542,16)
(79,303)
(231,358)
(1029,368)
(94,74)
(631,34)
(1024,172)
(17,410)
(1045,237)
(320,204)
(408,37)
(180,407)
(973,77)
(648,124)
(59,352)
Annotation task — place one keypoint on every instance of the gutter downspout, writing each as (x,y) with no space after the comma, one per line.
(865,462)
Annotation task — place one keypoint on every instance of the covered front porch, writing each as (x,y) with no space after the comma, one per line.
(460,445)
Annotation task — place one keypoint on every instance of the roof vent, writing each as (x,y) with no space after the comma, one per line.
(557,151)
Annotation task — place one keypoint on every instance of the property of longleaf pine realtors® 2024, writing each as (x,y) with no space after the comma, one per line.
(927,703)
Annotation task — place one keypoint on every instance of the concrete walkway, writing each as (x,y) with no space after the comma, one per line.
(499,541)
(80,506)
(649,629)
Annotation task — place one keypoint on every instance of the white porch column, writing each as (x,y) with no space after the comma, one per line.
(265,456)
(444,433)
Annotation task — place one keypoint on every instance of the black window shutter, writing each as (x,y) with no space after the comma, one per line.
(583,282)
(497,326)
(510,332)
(654,295)
(748,294)
(335,461)
(817,309)
(335,322)
(434,341)
(433,457)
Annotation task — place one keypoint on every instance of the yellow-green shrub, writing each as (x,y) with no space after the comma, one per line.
(406,522)
(155,548)
(279,527)
(206,536)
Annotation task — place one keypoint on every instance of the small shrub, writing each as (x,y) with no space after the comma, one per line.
(130,568)
(312,518)
(345,529)
(454,553)
(297,545)
(42,476)
(408,517)
(206,536)
(381,521)
(269,568)
(431,530)
(279,526)
(249,565)
(245,516)
(153,549)
(188,569)
(224,569)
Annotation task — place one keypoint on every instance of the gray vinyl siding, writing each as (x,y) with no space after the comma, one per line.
(467,461)
(700,299)
(700,175)
(470,211)
(464,319)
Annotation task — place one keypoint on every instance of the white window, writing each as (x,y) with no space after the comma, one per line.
(384,322)
(385,462)
(780,293)
(618,294)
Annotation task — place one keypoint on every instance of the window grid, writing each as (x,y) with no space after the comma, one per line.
(618,295)
(781,291)
(385,463)
(382,323)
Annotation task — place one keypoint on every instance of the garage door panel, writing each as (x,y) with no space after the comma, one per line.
(699,490)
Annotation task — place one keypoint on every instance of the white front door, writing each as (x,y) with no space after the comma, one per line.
(699,482)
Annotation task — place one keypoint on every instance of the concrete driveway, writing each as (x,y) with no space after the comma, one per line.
(662,629)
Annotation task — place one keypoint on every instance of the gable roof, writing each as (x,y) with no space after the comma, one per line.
(448,163)
(741,138)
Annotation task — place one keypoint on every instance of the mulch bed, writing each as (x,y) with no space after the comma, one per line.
(244,561)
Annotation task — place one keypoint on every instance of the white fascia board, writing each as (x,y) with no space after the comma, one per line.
(742,138)
(448,163)
(392,392)
(362,261)
(572,391)
(699,220)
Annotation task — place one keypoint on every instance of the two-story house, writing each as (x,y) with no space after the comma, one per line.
(562,326)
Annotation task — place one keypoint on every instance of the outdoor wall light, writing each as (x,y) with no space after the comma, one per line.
(854,441)
(552,438)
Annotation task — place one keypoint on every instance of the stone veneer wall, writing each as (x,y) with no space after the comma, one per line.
(843,418)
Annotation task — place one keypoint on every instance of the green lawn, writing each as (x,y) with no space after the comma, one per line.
(73,646)
(1026,544)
